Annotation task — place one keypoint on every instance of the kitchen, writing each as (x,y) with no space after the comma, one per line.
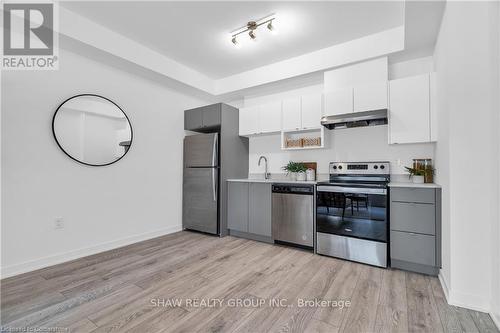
(287,208)
(327,166)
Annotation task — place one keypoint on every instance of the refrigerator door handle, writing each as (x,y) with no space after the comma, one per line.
(214,182)
(214,164)
(215,151)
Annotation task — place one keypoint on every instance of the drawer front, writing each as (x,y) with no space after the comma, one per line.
(414,248)
(408,194)
(413,217)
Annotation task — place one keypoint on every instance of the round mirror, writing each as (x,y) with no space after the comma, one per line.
(92,130)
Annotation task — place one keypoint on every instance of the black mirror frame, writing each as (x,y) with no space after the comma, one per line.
(74,159)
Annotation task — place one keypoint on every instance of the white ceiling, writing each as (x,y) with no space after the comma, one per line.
(196,34)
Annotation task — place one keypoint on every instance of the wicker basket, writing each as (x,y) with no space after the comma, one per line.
(293,143)
(310,142)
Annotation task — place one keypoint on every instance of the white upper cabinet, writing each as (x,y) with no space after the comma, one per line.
(292,117)
(312,111)
(270,117)
(372,96)
(265,118)
(409,110)
(291,114)
(249,121)
(339,101)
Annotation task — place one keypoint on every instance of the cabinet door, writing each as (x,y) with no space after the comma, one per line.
(338,102)
(409,110)
(211,115)
(312,111)
(249,121)
(413,217)
(292,114)
(371,96)
(193,119)
(270,117)
(413,248)
(237,206)
(259,209)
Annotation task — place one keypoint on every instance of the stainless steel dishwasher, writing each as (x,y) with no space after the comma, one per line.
(293,214)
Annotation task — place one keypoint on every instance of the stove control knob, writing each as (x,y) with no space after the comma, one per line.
(382,167)
(334,167)
(340,167)
(375,167)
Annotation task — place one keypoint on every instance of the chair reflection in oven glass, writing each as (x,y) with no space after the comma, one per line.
(333,200)
(357,199)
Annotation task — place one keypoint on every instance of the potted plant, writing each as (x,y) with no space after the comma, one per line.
(296,169)
(416,175)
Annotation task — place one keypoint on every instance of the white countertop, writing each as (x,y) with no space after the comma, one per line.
(413,185)
(289,181)
(272,181)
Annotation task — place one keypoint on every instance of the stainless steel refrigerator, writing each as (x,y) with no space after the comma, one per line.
(211,157)
(201,183)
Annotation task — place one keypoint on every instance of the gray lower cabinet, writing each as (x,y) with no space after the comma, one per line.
(413,248)
(415,223)
(259,209)
(237,203)
(249,210)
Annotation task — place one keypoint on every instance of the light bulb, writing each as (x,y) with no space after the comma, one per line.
(272,27)
(235,42)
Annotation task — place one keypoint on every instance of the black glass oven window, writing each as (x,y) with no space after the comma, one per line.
(349,214)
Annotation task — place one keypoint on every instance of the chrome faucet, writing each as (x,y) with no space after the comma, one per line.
(267,175)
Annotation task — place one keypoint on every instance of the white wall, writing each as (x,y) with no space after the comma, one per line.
(103,207)
(495,311)
(411,68)
(359,74)
(353,144)
(466,61)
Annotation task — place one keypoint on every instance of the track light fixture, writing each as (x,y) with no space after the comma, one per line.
(251,28)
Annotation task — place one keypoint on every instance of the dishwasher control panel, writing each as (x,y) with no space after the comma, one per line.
(293,189)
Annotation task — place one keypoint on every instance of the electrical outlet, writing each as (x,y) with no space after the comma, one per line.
(59,223)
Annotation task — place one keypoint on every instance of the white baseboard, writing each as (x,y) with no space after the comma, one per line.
(463,300)
(444,286)
(469,301)
(496,319)
(32,265)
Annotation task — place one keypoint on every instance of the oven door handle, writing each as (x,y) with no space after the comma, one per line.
(354,190)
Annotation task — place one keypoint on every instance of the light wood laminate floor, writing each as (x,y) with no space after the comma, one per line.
(118,291)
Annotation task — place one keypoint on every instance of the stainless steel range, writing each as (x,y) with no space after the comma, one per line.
(352,212)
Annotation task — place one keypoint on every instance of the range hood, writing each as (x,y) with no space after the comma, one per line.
(355,119)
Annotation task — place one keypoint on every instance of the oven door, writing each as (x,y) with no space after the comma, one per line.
(359,212)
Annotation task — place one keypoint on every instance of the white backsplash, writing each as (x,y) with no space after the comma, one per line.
(353,144)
